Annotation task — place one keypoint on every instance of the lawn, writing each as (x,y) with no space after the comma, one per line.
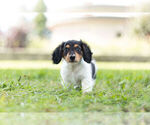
(39,90)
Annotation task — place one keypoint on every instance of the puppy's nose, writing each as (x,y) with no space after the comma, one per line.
(72,57)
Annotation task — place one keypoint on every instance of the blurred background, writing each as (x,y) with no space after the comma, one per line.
(32,29)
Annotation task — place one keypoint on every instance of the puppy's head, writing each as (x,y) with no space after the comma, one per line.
(72,51)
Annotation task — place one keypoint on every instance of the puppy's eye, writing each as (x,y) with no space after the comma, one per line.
(77,49)
(67,49)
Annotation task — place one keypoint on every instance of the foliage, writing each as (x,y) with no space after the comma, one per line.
(143,26)
(16,37)
(41,7)
(40,24)
(40,19)
(40,90)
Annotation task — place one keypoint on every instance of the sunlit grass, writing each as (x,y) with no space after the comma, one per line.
(33,90)
(33,86)
(28,64)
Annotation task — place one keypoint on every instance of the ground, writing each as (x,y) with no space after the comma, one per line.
(34,88)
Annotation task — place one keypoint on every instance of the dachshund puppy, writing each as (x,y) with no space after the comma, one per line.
(78,68)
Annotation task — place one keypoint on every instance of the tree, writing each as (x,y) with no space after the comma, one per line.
(40,19)
(40,7)
(143,27)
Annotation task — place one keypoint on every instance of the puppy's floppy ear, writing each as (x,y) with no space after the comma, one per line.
(58,53)
(87,54)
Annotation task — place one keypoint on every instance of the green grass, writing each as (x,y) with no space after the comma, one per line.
(39,90)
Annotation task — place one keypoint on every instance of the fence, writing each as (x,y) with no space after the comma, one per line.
(45,56)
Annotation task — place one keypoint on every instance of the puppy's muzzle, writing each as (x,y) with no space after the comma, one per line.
(72,57)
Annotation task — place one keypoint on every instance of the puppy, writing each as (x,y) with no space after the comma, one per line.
(78,68)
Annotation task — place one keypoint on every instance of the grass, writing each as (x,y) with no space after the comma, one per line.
(39,90)
(40,64)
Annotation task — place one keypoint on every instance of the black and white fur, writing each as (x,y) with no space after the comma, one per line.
(78,73)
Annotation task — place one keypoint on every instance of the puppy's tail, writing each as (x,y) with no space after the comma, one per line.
(94,69)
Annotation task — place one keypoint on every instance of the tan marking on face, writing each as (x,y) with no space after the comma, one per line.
(67,57)
(67,46)
(78,57)
(76,45)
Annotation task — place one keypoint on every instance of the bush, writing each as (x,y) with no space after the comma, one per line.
(16,37)
(143,27)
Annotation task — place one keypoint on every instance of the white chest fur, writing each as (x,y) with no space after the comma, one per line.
(75,73)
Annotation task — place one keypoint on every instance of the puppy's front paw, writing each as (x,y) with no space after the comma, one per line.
(77,87)
(88,90)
